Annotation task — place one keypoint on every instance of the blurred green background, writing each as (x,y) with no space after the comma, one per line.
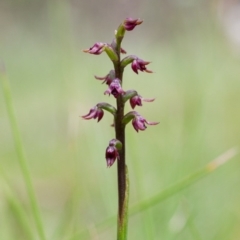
(194,47)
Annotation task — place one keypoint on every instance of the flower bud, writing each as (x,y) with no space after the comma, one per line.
(96,49)
(130,23)
(112,152)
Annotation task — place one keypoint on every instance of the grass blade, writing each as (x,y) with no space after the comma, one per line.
(167,192)
(20,153)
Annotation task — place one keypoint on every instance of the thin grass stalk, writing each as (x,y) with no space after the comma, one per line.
(168,191)
(21,156)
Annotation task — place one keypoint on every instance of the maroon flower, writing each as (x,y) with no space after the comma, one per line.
(137,100)
(115,88)
(108,78)
(94,112)
(129,23)
(138,122)
(139,64)
(111,155)
(96,49)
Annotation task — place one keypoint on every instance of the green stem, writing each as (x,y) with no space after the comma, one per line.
(20,154)
(122,223)
(122,168)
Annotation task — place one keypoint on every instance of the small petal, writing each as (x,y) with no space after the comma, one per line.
(148,99)
(152,123)
(108,78)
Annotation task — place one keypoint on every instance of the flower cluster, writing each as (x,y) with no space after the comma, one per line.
(114,82)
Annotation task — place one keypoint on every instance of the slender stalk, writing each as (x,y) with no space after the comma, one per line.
(20,153)
(121,166)
(168,191)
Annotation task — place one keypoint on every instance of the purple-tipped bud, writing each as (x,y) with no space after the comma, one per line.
(108,78)
(139,64)
(94,112)
(138,122)
(111,155)
(112,152)
(137,101)
(115,88)
(96,49)
(129,23)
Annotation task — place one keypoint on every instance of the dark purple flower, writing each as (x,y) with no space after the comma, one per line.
(94,112)
(111,154)
(129,23)
(137,100)
(139,64)
(115,88)
(139,122)
(96,49)
(108,78)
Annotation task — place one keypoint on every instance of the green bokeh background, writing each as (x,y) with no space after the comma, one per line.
(196,83)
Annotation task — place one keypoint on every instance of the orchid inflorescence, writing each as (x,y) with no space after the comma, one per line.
(114,83)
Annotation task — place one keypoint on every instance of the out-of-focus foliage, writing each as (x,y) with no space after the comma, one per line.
(196,82)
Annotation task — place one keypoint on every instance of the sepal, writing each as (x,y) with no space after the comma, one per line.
(108,78)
